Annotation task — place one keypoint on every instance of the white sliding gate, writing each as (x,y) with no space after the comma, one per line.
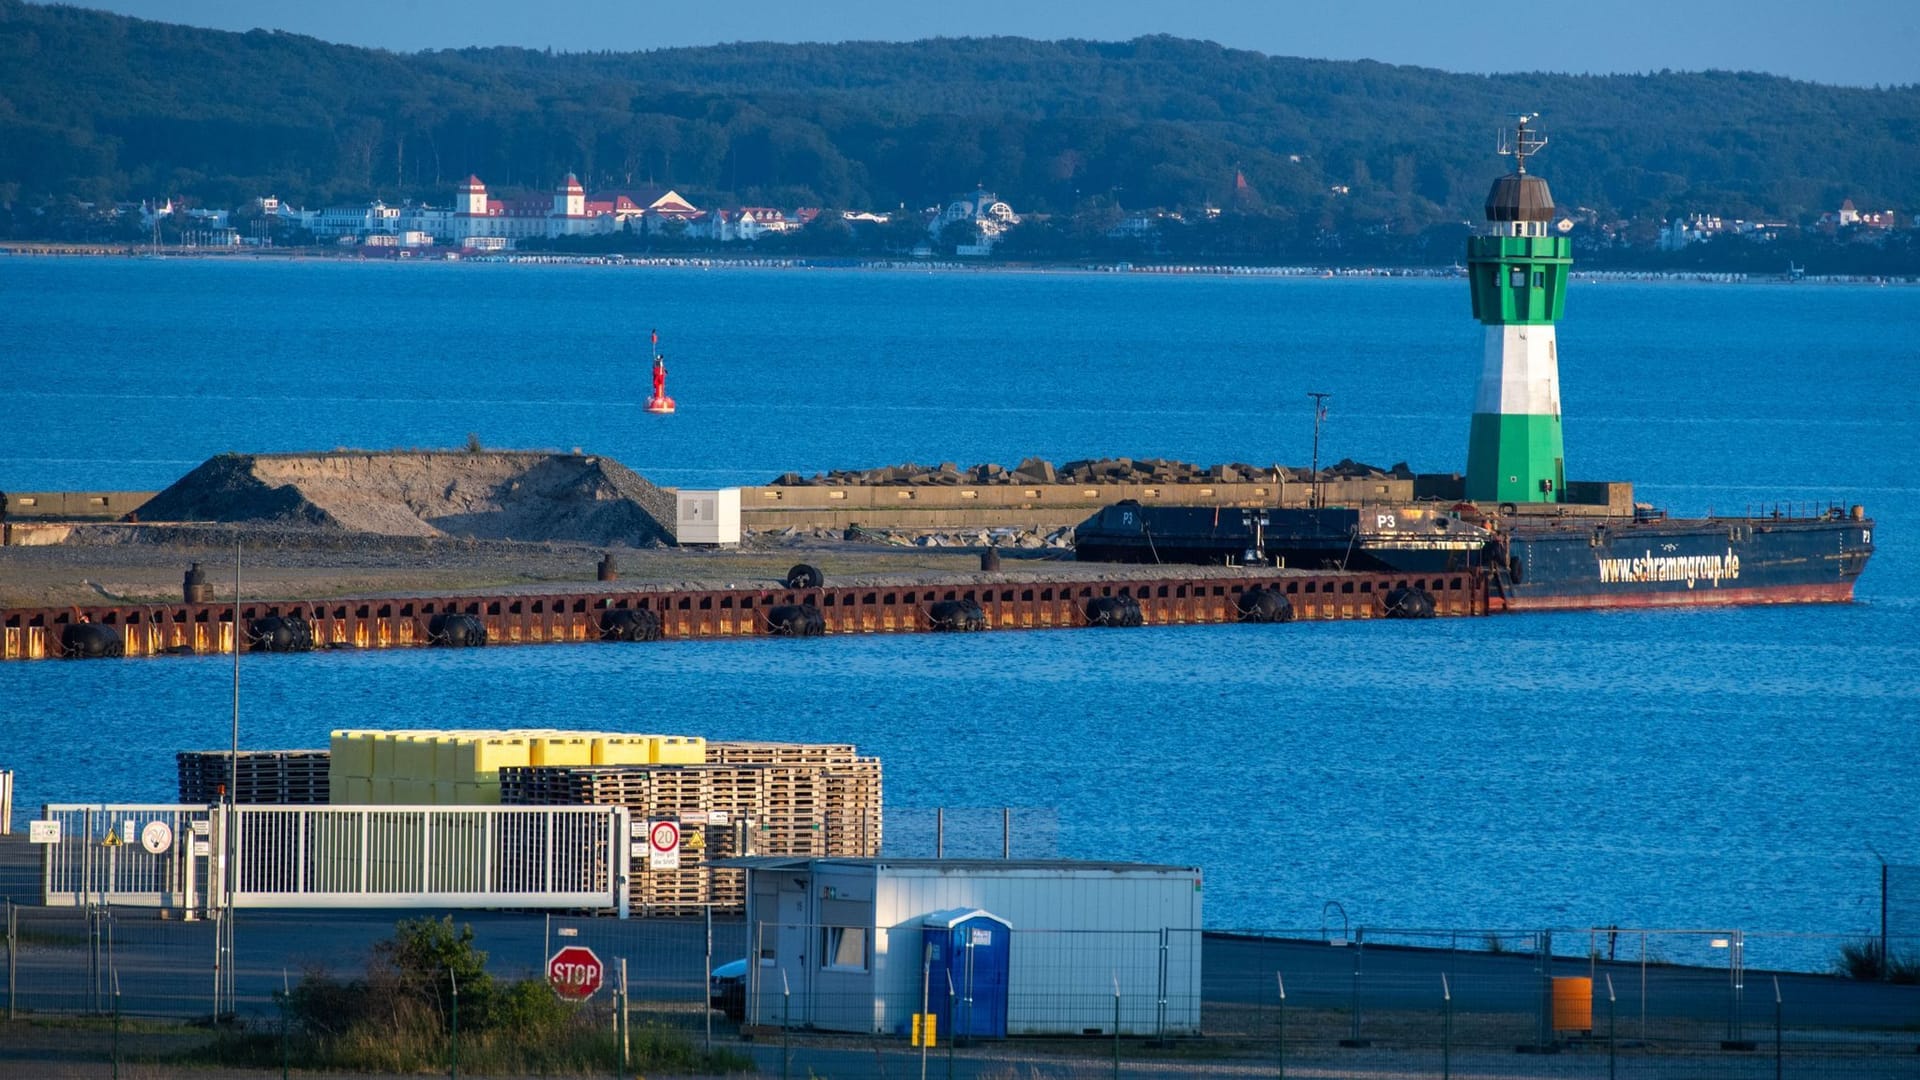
(338,856)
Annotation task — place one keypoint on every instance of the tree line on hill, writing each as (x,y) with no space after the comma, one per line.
(97,107)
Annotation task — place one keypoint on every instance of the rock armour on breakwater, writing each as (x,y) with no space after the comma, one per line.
(487,495)
(1121,470)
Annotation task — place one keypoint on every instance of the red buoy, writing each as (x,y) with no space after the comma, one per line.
(659,402)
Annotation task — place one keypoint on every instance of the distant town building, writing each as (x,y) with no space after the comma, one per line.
(481,221)
(1850,216)
(1680,232)
(987,212)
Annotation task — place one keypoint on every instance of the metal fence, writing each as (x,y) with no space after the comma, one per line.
(176,857)
(1900,905)
(1057,982)
(972,832)
(1362,1001)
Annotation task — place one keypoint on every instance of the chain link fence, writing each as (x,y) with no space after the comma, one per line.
(1358,1001)
(972,832)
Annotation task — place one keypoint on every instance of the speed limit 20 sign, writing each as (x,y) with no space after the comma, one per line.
(663,845)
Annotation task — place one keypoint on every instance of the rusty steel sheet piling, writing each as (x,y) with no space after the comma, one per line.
(564,615)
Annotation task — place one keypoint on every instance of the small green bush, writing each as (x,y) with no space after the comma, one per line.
(1866,960)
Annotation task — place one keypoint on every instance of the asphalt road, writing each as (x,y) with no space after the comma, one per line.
(166,967)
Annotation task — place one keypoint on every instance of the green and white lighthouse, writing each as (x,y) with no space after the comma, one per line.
(1518,269)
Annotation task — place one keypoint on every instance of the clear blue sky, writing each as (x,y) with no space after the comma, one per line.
(1852,42)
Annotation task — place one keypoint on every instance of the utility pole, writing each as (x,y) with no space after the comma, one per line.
(1319,417)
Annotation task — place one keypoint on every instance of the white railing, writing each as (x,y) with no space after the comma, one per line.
(340,857)
(6,802)
(100,858)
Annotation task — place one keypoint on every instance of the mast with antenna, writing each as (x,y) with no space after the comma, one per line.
(1524,142)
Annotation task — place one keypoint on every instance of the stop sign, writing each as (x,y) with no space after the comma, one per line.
(575,973)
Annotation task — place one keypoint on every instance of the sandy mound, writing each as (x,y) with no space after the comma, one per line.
(488,495)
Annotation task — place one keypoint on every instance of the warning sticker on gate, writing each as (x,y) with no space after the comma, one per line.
(663,845)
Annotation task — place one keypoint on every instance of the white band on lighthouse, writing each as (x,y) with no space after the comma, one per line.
(1520,372)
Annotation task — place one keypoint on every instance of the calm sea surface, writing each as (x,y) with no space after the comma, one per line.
(1655,769)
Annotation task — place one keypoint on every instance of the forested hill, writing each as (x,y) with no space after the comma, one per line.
(100,106)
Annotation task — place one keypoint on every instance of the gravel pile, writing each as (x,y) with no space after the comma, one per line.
(487,495)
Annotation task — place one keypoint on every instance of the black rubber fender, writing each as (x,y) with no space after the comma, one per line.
(279,634)
(454,630)
(956,615)
(91,641)
(1264,606)
(1409,603)
(629,624)
(803,576)
(1114,611)
(796,620)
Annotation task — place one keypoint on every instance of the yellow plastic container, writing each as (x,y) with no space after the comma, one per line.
(623,750)
(483,756)
(448,754)
(410,792)
(336,787)
(413,755)
(480,794)
(380,752)
(680,750)
(560,750)
(350,753)
(359,790)
(444,793)
(380,791)
(1572,1003)
(389,748)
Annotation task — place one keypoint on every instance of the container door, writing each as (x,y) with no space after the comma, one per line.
(790,953)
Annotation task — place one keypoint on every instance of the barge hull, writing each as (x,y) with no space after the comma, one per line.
(1683,563)
(1829,593)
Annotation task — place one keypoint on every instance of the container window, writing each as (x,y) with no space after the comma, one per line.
(843,948)
(1517,278)
(1539,279)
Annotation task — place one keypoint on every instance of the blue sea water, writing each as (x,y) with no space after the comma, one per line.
(1733,768)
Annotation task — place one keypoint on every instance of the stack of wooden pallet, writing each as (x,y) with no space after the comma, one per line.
(259,777)
(750,798)
(853,808)
(823,798)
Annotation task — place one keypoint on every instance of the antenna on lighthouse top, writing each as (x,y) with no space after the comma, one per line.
(1523,144)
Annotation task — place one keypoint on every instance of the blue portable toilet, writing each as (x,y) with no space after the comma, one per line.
(972,948)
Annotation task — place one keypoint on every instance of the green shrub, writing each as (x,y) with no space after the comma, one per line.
(398,1018)
(1867,960)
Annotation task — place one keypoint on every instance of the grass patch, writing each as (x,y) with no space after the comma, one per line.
(576,1049)
(404,1016)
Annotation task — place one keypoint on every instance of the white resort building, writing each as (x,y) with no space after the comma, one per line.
(482,221)
(991,216)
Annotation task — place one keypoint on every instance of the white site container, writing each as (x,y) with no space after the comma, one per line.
(707,517)
(1078,927)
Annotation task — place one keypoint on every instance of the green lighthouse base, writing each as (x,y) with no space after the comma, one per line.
(1528,447)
